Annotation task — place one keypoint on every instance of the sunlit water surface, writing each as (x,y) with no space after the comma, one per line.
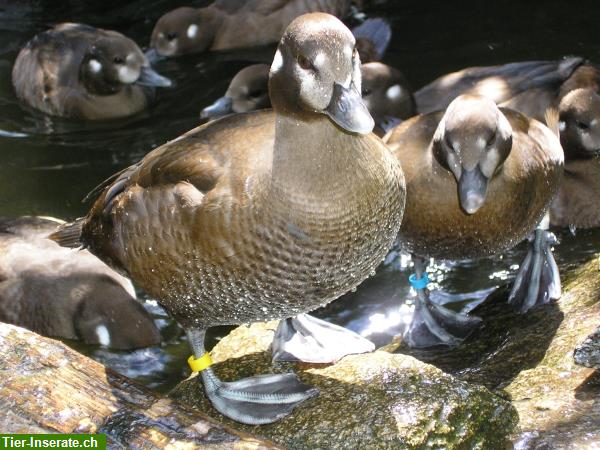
(47,165)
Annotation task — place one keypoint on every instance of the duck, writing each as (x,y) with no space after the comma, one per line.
(61,293)
(232,24)
(78,71)
(241,219)
(571,85)
(479,179)
(385,90)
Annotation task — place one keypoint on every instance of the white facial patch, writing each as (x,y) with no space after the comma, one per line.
(277,62)
(393,92)
(103,335)
(562,126)
(192,31)
(128,75)
(319,59)
(95,65)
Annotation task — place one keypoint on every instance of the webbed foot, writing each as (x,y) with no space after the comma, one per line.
(537,281)
(256,400)
(306,338)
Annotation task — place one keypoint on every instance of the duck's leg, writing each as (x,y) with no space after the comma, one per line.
(537,281)
(306,338)
(434,324)
(254,401)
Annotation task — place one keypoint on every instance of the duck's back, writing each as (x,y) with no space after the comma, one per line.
(201,224)
(434,223)
(262,22)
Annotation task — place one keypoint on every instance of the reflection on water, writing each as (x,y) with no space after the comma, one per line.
(47,164)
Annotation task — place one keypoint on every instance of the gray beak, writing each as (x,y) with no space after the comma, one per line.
(149,77)
(348,110)
(153,56)
(221,107)
(472,188)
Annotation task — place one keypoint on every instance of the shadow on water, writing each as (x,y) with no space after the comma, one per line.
(47,165)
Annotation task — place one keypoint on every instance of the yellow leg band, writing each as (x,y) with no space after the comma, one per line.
(200,364)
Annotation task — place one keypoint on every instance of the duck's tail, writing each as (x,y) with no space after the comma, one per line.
(69,234)
(378,33)
(552,120)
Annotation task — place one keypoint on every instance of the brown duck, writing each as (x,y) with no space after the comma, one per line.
(479,179)
(78,71)
(260,215)
(233,24)
(571,85)
(63,293)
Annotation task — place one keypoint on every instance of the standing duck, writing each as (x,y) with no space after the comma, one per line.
(63,293)
(232,24)
(572,86)
(479,179)
(79,71)
(260,215)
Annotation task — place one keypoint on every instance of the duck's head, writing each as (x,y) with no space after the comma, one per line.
(386,92)
(579,123)
(114,61)
(472,141)
(316,70)
(183,30)
(248,91)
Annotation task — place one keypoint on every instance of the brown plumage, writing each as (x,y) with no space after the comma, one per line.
(233,24)
(518,191)
(78,71)
(66,293)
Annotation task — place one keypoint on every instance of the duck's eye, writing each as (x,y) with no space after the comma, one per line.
(118,60)
(449,143)
(365,91)
(582,125)
(255,93)
(304,63)
(491,140)
(171,35)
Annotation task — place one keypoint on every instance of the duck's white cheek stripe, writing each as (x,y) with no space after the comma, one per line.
(393,92)
(277,62)
(127,75)
(562,126)
(103,335)
(192,31)
(95,66)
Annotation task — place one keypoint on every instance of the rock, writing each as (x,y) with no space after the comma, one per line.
(376,400)
(528,359)
(45,387)
(588,353)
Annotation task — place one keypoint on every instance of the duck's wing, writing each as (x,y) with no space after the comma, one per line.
(500,83)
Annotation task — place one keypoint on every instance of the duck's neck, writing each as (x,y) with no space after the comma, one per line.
(311,158)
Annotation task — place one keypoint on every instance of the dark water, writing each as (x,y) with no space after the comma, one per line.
(47,165)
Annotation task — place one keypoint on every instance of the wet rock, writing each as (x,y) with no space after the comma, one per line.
(528,359)
(45,387)
(588,353)
(376,400)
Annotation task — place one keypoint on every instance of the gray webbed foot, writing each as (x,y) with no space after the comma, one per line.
(434,324)
(257,400)
(306,338)
(537,281)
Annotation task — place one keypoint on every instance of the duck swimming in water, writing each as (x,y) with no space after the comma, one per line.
(261,215)
(78,71)
(63,293)
(233,24)
(479,179)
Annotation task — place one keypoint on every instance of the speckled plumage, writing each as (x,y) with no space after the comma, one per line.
(224,229)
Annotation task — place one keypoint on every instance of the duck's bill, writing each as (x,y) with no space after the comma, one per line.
(472,189)
(348,110)
(219,108)
(153,56)
(149,77)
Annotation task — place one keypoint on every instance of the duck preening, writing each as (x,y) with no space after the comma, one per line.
(260,215)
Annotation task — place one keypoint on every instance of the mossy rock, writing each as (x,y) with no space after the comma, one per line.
(377,400)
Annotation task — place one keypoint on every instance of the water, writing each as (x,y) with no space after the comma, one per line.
(47,165)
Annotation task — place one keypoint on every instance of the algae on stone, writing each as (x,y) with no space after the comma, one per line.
(376,400)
